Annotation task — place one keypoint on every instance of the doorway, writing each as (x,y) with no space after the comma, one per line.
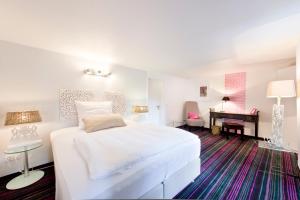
(155,95)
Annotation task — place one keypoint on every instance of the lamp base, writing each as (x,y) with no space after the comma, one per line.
(267,145)
(276,138)
(24,181)
(23,133)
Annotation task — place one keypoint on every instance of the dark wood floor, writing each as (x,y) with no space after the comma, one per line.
(44,189)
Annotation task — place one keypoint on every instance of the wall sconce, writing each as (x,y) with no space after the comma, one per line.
(93,72)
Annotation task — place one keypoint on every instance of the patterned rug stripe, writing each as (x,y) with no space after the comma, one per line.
(252,174)
(207,155)
(239,180)
(221,151)
(235,169)
(209,167)
(226,178)
(220,166)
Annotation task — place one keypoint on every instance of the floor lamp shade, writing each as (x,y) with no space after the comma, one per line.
(282,89)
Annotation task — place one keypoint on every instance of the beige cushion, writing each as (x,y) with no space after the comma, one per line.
(94,123)
(87,108)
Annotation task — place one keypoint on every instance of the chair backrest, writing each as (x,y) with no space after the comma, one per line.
(190,106)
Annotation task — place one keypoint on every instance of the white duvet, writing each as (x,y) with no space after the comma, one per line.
(112,151)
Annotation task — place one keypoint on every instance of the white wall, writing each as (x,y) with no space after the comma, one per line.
(298,102)
(175,92)
(31,78)
(257,78)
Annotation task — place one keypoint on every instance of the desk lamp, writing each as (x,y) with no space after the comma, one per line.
(224,100)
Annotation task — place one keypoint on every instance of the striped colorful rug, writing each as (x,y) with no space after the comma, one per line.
(235,169)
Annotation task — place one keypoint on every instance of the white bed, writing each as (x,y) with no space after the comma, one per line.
(161,175)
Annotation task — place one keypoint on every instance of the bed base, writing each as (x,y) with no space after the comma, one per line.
(167,189)
(172,185)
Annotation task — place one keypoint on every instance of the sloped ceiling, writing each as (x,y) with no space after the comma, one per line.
(170,36)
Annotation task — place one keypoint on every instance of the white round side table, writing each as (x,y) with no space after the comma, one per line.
(28,177)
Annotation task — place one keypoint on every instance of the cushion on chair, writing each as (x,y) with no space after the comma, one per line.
(195,122)
(192,115)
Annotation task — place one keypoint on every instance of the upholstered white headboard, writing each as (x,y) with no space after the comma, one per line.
(67,98)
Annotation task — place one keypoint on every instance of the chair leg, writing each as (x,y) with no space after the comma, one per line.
(227,133)
(242,134)
(201,128)
(186,127)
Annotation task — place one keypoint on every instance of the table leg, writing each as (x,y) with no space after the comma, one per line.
(242,133)
(256,130)
(210,123)
(26,165)
(26,179)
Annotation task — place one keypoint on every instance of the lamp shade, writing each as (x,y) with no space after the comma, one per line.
(14,118)
(225,98)
(140,109)
(283,89)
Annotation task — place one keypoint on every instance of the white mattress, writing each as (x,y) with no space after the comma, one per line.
(74,181)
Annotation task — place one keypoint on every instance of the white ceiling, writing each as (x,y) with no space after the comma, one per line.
(161,35)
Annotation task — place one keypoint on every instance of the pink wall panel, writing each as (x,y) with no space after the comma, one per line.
(235,87)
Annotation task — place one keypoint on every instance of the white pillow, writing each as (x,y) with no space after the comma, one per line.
(87,108)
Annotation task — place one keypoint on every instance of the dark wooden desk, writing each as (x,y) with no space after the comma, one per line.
(244,117)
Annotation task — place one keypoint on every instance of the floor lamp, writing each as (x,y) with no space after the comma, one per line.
(279,89)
